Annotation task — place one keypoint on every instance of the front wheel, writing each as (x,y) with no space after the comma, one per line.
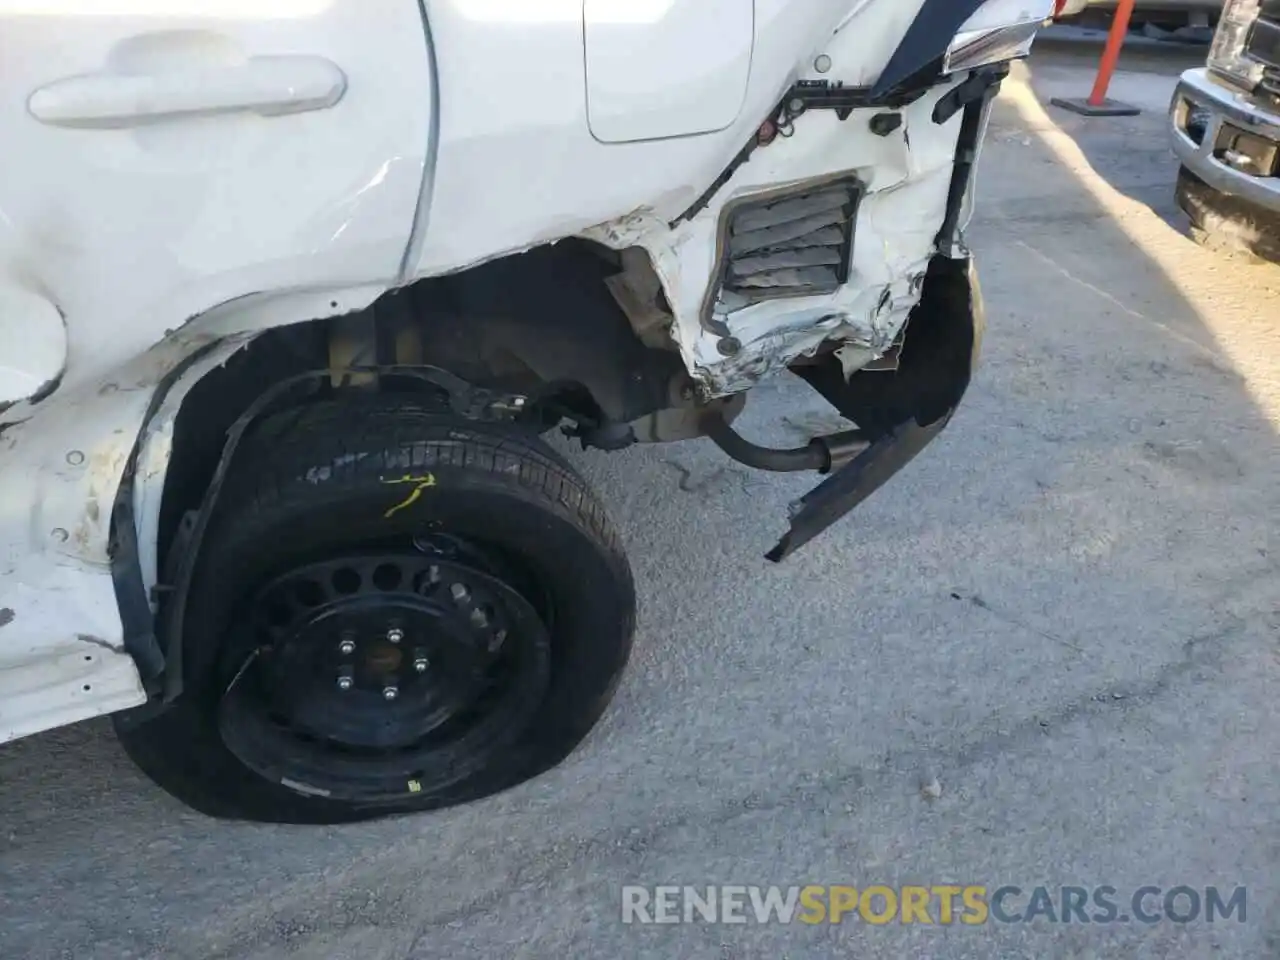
(393,610)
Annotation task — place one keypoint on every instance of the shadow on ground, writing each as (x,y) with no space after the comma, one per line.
(1130,153)
(1065,614)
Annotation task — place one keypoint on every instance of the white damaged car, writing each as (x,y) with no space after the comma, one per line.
(290,293)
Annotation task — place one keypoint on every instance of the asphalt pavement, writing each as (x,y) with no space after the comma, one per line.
(1047,654)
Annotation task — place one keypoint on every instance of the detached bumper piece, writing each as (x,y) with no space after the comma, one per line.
(849,486)
(901,411)
(898,412)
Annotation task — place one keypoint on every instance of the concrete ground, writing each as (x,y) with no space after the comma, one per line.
(1061,623)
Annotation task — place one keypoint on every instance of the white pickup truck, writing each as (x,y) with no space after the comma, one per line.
(1225,124)
(290,291)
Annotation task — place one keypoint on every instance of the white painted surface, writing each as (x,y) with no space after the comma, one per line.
(267,86)
(133,228)
(163,160)
(59,472)
(49,675)
(907,177)
(33,342)
(155,447)
(522,168)
(214,219)
(566,182)
(666,68)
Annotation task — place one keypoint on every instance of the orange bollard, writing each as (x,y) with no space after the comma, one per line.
(1098,105)
(1111,55)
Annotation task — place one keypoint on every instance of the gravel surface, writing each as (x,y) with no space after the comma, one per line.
(1045,654)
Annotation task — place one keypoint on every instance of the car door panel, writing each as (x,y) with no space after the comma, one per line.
(178,155)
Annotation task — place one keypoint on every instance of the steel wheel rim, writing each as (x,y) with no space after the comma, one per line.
(378,677)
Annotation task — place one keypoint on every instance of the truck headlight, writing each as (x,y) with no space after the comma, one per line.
(999,30)
(1227,57)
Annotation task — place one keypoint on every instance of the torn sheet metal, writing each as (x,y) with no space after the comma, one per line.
(62,656)
(49,676)
(155,447)
(729,342)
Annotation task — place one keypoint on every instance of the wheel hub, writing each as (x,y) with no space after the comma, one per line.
(371,675)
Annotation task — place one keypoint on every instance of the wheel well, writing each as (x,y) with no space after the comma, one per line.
(544,323)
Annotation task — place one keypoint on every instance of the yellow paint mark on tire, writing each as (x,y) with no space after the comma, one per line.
(420,482)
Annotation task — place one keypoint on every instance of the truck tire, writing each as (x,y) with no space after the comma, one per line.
(393,610)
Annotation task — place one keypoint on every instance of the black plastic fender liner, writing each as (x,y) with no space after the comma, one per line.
(138,622)
(845,489)
(173,613)
(939,353)
(552,310)
(901,412)
(925,44)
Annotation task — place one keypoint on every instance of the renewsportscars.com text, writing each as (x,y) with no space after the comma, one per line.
(943,904)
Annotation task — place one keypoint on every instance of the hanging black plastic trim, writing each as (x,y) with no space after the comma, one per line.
(925,45)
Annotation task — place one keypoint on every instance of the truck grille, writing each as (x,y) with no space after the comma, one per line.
(1271,82)
(1264,45)
(792,246)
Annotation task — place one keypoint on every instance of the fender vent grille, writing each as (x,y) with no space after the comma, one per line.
(792,246)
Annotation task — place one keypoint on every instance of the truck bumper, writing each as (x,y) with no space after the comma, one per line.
(1206,117)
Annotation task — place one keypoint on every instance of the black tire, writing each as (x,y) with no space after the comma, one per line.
(345,479)
(1226,224)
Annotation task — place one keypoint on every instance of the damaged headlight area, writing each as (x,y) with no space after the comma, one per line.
(1000,30)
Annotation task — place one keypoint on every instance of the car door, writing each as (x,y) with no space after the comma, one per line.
(161,157)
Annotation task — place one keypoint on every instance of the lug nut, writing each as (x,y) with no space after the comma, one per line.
(395,634)
(479,619)
(421,664)
(459,592)
(344,683)
(347,647)
(390,693)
